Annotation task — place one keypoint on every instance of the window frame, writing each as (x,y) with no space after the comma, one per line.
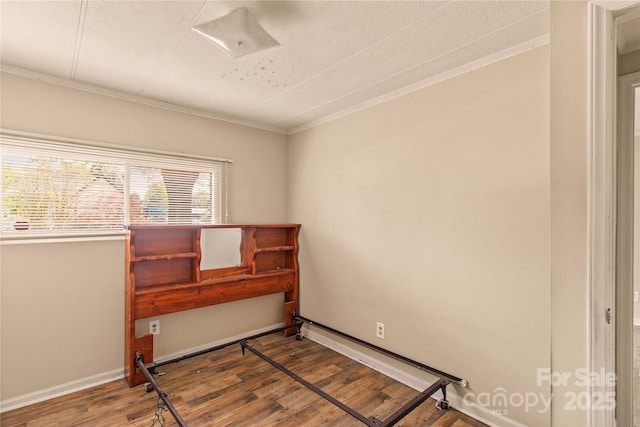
(130,156)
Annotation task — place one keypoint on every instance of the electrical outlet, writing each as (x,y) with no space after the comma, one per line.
(380,330)
(635,296)
(154,327)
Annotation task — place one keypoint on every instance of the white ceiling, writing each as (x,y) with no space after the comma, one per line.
(335,56)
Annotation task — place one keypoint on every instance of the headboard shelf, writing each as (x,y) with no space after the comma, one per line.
(178,287)
(164,275)
(165,257)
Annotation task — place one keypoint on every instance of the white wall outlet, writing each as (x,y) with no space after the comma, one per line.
(635,296)
(380,330)
(154,327)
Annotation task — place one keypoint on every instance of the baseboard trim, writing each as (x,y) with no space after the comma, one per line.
(60,390)
(178,354)
(105,377)
(480,413)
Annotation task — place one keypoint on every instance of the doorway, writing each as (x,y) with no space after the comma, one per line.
(628,247)
(611,209)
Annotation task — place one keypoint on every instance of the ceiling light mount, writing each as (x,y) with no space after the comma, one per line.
(238,33)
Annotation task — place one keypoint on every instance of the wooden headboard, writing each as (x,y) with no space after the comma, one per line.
(163,275)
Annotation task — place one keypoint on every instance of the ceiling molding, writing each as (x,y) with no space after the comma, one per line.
(335,58)
(496,57)
(504,54)
(33,75)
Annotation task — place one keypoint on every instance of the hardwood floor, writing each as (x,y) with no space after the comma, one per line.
(225,388)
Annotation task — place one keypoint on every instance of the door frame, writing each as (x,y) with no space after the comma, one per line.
(602,203)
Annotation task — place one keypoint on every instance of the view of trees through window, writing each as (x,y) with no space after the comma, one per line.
(190,202)
(54,193)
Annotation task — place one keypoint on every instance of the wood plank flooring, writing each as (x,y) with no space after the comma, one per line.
(225,388)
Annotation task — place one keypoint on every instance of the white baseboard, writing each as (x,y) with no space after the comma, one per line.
(176,355)
(105,377)
(60,390)
(480,413)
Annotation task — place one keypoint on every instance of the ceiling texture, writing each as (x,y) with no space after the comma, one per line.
(334,56)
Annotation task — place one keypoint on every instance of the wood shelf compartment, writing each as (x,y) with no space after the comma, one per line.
(163,276)
(195,295)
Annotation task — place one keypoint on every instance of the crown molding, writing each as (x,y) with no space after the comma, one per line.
(496,57)
(34,75)
(487,60)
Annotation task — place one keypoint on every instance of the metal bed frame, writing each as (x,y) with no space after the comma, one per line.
(444,379)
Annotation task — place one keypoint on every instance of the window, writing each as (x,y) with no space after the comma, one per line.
(60,187)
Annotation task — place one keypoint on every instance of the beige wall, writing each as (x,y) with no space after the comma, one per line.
(569,185)
(62,304)
(430,213)
(259,177)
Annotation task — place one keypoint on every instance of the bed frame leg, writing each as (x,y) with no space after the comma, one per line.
(138,347)
(299,333)
(290,308)
(443,403)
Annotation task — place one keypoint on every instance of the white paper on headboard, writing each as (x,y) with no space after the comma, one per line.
(220,247)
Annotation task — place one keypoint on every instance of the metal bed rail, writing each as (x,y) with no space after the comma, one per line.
(441,374)
(444,379)
(149,369)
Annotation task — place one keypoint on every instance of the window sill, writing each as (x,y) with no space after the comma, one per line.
(13,239)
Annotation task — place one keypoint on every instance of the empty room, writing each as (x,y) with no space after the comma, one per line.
(307,213)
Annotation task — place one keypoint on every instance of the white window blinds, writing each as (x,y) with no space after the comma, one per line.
(60,187)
